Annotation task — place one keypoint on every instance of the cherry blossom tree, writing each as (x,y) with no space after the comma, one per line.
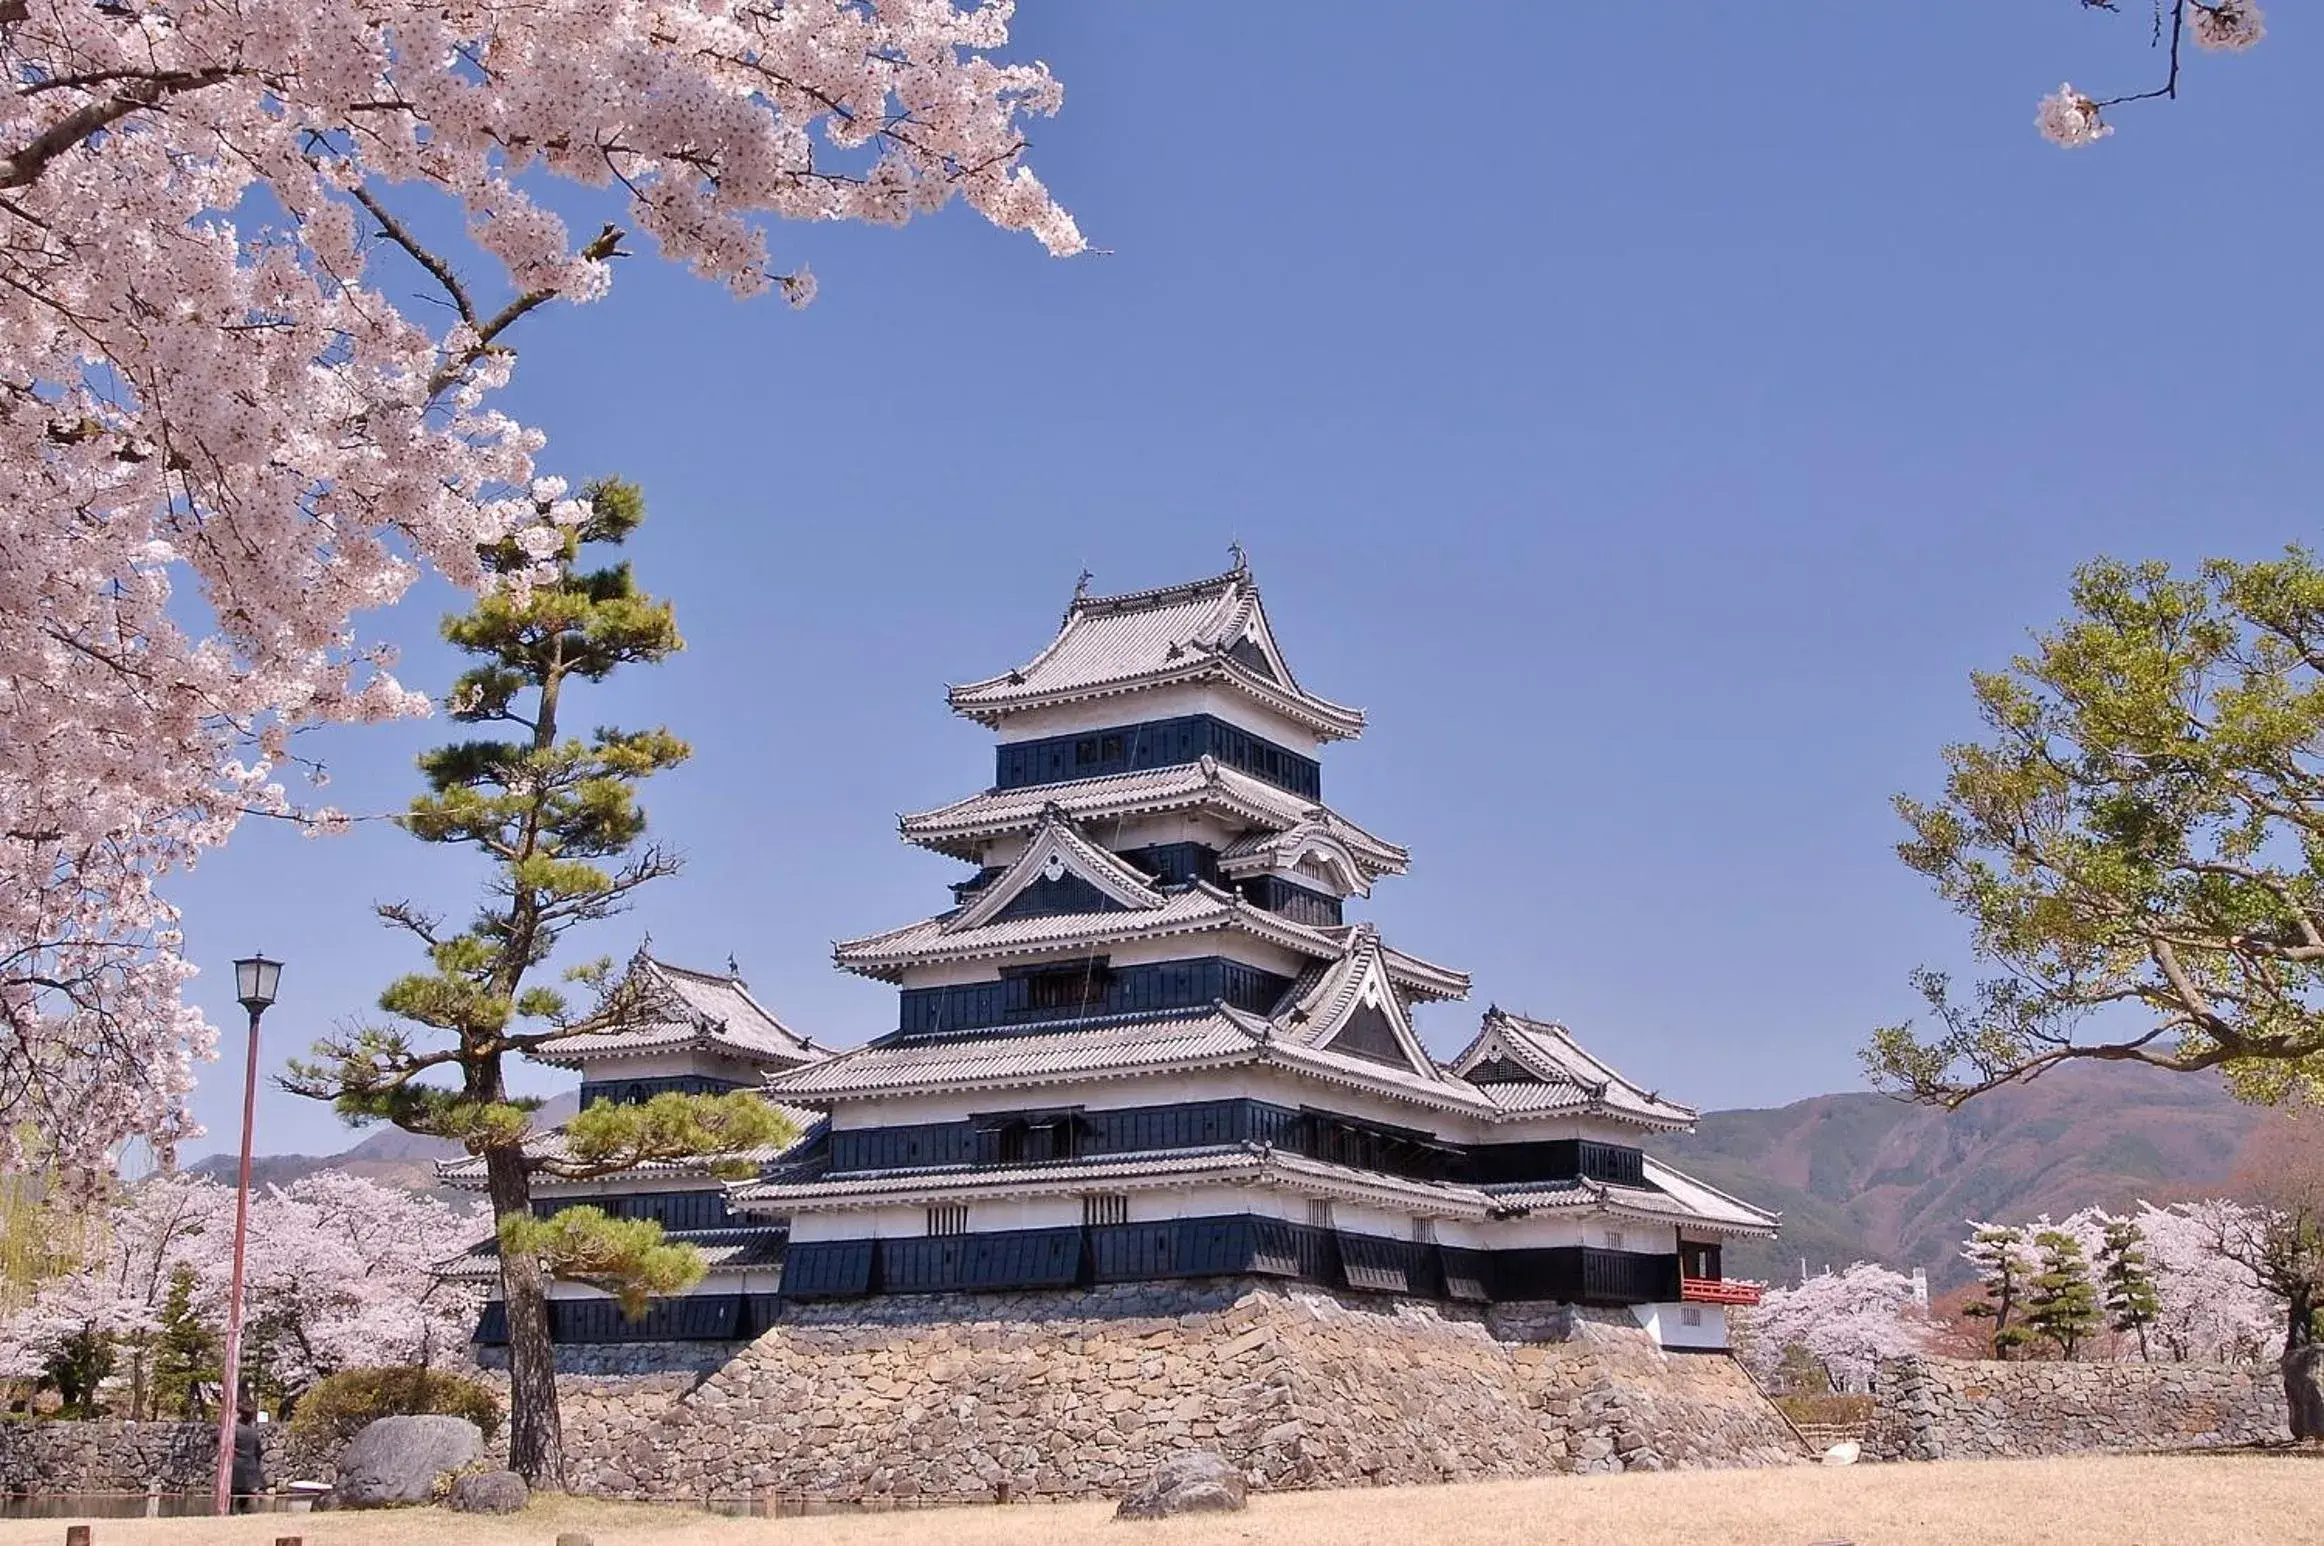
(225,435)
(2072,119)
(341,1272)
(346,1273)
(1847,1321)
(2208,1308)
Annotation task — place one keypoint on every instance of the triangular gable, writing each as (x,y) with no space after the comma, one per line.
(1360,1014)
(1058,859)
(1251,643)
(1297,854)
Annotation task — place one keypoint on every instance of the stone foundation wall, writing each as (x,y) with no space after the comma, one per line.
(1068,1394)
(124,1457)
(1953,1409)
(626,1358)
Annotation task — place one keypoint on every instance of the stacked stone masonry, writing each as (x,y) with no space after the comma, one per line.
(1952,1409)
(1076,1394)
(46,1458)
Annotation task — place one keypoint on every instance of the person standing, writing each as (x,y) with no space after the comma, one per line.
(249,1478)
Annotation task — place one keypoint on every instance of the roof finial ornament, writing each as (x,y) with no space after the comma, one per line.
(1242,561)
(1081,585)
(732,968)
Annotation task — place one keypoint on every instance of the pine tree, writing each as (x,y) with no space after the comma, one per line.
(558,817)
(2062,1305)
(1999,1254)
(186,1352)
(2132,1302)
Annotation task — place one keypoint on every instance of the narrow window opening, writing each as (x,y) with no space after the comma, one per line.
(1105,1209)
(948,1219)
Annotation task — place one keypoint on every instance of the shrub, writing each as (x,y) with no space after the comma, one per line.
(339,1406)
(1836,1410)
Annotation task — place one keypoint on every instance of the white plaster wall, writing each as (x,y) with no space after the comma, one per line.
(665,1065)
(1667,1324)
(1159,703)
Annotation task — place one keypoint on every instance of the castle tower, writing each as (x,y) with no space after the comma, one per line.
(1147,1041)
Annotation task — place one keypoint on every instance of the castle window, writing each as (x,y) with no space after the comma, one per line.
(1079,986)
(948,1219)
(1319,1214)
(1613,1240)
(1108,1208)
(1690,1315)
(1424,1230)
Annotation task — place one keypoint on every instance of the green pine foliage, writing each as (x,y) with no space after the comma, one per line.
(186,1353)
(1998,1253)
(557,817)
(2126,1284)
(2062,1304)
(2135,841)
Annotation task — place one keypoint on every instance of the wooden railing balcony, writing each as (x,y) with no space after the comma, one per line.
(1719,1291)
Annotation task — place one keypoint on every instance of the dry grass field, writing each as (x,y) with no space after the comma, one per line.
(2230,1500)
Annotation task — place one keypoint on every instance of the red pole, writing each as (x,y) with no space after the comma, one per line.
(229,1384)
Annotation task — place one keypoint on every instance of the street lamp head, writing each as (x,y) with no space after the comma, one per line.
(255,979)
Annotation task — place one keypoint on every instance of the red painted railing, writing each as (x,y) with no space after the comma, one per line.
(1719,1291)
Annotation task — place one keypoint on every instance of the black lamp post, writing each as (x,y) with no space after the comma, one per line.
(255,979)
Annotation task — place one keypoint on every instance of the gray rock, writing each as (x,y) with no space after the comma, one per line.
(396,1461)
(1193,1481)
(489,1492)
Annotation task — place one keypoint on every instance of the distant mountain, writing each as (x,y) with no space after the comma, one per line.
(389,1156)
(1863,1177)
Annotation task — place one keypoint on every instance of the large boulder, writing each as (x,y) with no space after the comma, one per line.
(1193,1481)
(396,1461)
(489,1492)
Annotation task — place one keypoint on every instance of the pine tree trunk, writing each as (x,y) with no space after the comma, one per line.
(536,1439)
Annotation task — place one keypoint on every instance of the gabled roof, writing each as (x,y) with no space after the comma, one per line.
(1535,1066)
(1057,850)
(657,1008)
(1353,1009)
(1199,909)
(963,828)
(1310,842)
(1668,1198)
(1211,630)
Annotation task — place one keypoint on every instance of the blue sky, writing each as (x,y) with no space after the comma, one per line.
(1649,415)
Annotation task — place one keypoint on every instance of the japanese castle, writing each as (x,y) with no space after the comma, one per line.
(1147,1041)
(698,1033)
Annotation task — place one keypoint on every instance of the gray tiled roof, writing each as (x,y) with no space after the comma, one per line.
(1247,1163)
(1197,909)
(965,826)
(1672,1198)
(1121,1044)
(665,1008)
(1115,644)
(1564,1077)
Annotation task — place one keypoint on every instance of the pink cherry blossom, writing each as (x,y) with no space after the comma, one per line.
(1847,1321)
(2229,25)
(2068,118)
(223,440)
